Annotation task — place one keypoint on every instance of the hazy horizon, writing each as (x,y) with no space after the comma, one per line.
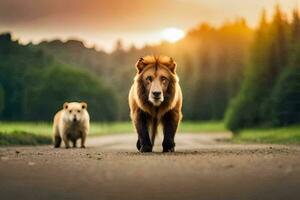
(135,22)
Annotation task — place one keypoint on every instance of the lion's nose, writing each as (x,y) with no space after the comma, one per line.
(156,94)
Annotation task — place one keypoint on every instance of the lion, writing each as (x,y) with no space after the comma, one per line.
(70,124)
(155,98)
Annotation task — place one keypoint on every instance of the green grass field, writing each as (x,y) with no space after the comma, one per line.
(106,128)
(284,135)
(32,133)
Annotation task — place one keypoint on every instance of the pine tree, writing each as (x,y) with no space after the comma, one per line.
(285,99)
(2,98)
(296,27)
(244,108)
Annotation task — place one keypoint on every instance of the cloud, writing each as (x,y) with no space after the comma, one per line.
(99,14)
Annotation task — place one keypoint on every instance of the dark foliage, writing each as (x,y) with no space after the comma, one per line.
(34,85)
(270,91)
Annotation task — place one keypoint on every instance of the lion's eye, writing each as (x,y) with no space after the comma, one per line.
(164,79)
(149,78)
(70,111)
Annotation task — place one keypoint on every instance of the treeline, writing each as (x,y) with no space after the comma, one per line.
(270,94)
(37,79)
(210,65)
(212,72)
(33,85)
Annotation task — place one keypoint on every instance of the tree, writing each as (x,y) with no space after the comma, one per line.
(119,46)
(244,109)
(58,84)
(296,26)
(187,81)
(2,98)
(15,61)
(286,98)
(277,61)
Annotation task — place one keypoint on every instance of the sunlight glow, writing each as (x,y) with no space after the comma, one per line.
(172,34)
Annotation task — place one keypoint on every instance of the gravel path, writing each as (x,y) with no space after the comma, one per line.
(203,167)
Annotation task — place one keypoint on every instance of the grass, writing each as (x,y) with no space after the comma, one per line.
(29,127)
(23,138)
(29,132)
(33,133)
(284,135)
(206,126)
(42,128)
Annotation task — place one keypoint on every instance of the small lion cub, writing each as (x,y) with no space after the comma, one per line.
(70,124)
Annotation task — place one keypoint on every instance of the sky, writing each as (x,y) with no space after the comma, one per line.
(138,22)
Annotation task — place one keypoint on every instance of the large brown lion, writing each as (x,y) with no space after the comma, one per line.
(155,98)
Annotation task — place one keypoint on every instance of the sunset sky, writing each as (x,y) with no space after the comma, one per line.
(102,22)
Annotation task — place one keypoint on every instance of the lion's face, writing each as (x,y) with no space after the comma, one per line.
(156,81)
(157,77)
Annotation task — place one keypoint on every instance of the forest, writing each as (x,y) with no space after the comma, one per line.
(248,77)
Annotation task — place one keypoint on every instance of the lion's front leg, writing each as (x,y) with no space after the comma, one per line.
(170,123)
(141,125)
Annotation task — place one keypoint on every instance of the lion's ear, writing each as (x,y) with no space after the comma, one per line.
(140,65)
(172,65)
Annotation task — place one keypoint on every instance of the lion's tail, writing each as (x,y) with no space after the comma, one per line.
(153,131)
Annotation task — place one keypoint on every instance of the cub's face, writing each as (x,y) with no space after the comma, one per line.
(156,81)
(74,111)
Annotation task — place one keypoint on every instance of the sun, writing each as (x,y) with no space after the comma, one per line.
(172,34)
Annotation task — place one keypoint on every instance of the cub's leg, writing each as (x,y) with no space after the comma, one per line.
(83,138)
(170,123)
(66,141)
(56,138)
(57,141)
(141,125)
(74,142)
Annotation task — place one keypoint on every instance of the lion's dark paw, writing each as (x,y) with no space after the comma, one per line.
(168,146)
(138,144)
(145,148)
(168,150)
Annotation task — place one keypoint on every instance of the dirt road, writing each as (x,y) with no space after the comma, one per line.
(203,167)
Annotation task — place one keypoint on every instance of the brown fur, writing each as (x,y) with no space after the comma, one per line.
(155,98)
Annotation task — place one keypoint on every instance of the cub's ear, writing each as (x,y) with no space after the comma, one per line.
(65,106)
(172,65)
(83,105)
(140,65)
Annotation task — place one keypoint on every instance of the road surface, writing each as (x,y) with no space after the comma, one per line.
(203,167)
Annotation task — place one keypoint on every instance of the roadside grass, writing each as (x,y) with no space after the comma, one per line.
(37,128)
(283,135)
(43,128)
(32,133)
(111,128)
(23,138)
(184,127)
(38,133)
(202,127)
